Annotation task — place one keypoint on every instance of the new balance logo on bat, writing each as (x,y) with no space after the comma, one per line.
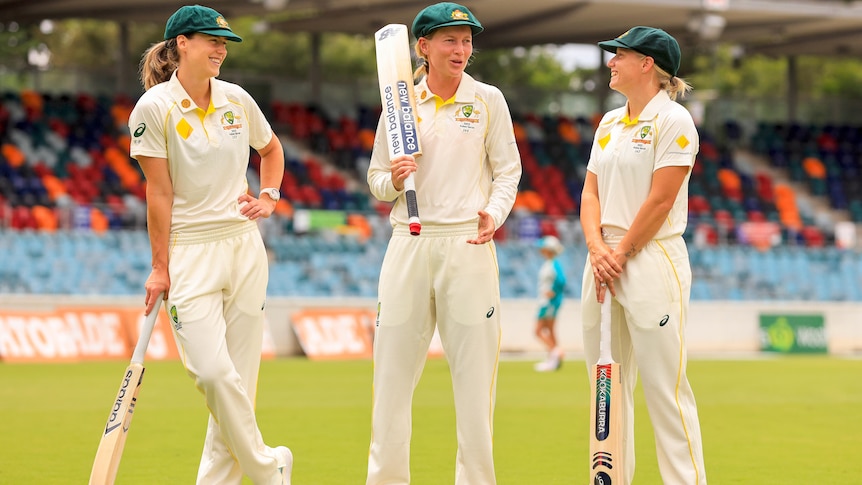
(387,33)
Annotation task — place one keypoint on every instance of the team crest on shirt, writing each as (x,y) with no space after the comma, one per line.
(645,131)
(643,139)
(467,118)
(230,123)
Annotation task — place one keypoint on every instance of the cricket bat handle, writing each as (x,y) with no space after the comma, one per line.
(147,331)
(412,207)
(605,331)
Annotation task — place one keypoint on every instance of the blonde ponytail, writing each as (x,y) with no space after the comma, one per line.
(422,69)
(676,87)
(159,62)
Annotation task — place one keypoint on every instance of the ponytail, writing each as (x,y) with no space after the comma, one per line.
(422,69)
(676,87)
(159,62)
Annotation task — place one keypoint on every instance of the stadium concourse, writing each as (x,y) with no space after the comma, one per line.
(765,216)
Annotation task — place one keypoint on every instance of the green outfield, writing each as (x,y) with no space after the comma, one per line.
(794,420)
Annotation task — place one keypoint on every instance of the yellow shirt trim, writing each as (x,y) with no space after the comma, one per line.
(439,102)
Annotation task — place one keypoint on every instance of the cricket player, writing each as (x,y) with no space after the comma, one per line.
(191,135)
(466,181)
(634,209)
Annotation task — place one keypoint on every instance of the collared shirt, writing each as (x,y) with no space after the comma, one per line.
(469,160)
(626,153)
(207,148)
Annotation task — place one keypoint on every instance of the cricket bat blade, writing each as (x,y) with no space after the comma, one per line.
(606,460)
(395,77)
(110,451)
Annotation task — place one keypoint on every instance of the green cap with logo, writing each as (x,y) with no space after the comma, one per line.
(197,18)
(649,41)
(444,14)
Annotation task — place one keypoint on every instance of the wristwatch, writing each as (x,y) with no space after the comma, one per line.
(273,194)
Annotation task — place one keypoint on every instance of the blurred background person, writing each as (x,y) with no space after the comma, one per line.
(551,285)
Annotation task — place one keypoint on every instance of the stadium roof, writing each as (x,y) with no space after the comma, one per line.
(777,27)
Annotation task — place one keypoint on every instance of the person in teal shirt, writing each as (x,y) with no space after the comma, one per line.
(552,284)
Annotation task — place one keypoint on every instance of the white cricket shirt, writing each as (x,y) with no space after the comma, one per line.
(207,149)
(469,160)
(625,154)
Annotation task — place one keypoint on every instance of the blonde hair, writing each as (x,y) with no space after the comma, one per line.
(422,70)
(676,87)
(159,62)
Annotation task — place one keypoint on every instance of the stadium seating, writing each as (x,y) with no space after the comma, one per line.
(72,205)
(117,263)
(827,159)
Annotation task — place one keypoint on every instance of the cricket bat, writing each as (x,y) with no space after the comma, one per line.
(606,451)
(116,430)
(395,77)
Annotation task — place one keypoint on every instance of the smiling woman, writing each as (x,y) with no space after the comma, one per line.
(466,181)
(634,209)
(191,135)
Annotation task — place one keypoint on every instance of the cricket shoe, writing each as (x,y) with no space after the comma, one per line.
(284,458)
(546,366)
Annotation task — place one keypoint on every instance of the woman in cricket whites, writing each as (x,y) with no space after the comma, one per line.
(191,135)
(634,209)
(466,181)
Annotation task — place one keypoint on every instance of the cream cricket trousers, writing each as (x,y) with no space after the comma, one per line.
(436,279)
(648,321)
(216,300)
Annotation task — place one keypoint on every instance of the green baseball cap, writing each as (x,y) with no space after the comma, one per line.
(649,41)
(444,14)
(197,18)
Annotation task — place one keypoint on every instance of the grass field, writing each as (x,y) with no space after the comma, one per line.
(794,420)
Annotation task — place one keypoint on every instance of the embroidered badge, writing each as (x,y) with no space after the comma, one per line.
(178,325)
(645,131)
(467,117)
(459,15)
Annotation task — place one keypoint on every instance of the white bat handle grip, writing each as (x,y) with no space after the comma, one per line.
(147,332)
(605,328)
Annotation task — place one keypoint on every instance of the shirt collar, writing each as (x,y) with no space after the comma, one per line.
(466,92)
(650,111)
(655,105)
(185,102)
